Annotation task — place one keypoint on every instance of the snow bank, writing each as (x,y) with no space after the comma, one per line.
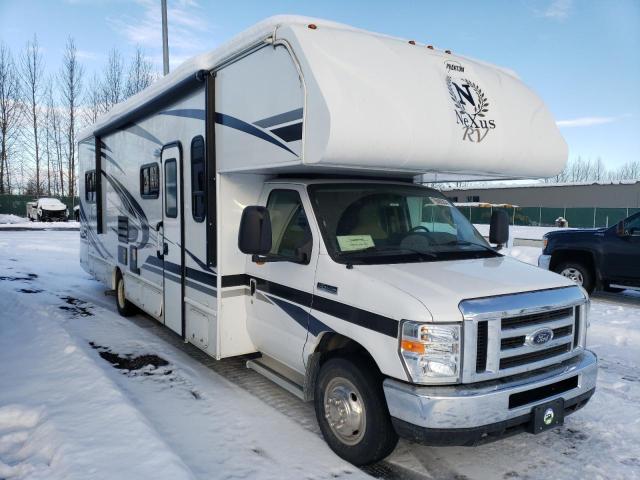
(521,232)
(11,219)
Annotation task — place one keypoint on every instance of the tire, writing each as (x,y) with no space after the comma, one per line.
(125,307)
(354,385)
(577,272)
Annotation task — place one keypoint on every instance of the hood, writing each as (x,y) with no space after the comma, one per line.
(441,286)
(574,231)
(51,205)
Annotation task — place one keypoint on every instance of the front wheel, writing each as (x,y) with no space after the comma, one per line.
(577,272)
(125,307)
(352,412)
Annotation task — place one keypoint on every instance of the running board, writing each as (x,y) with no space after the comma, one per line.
(626,287)
(290,386)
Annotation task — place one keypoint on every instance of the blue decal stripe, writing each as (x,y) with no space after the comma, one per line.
(301,316)
(280,118)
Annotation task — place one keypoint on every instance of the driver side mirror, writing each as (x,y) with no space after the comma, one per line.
(254,235)
(499,228)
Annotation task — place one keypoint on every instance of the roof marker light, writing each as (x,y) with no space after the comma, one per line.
(430,47)
(312,26)
(448,51)
(412,42)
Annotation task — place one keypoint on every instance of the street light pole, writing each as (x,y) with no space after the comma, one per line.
(165,39)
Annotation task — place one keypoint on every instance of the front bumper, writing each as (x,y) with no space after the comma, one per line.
(544,261)
(464,414)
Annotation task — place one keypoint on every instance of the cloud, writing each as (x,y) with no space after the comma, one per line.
(588,121)
(186,27)
(87,55)
(558,9)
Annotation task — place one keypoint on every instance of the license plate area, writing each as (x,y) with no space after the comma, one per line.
(547,415)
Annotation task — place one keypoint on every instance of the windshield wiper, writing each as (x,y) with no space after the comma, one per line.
(465,242)
(388,249)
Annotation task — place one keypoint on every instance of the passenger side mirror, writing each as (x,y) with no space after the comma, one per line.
(499,228)
(254,236)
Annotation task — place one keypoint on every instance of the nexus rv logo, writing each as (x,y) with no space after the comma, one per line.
(471,107)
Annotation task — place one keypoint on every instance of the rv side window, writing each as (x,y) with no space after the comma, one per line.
(149,180)
(170,189)
(291,235)
(90,186)
(198,197)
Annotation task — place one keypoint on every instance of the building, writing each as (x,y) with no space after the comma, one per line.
(623,194)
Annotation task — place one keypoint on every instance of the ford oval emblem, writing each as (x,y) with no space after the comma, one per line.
(539,337)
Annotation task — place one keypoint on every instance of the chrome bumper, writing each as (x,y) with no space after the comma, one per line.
(544,261)
(482,404)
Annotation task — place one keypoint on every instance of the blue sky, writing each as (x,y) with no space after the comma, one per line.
(581,56)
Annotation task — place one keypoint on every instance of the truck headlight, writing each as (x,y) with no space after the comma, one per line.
(431,352)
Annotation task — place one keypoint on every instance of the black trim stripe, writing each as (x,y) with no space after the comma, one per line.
(290,133)
(285,117)
(357,316)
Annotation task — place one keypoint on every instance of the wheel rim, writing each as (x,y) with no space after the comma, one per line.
(574,274)
(344,411)
(121,298)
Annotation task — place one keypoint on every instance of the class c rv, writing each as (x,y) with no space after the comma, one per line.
(261,201)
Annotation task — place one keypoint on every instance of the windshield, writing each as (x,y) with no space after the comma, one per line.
(387,223)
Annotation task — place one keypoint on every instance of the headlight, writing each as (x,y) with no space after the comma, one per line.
(431,352)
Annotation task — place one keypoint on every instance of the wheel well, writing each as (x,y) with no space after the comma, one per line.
(114,277)
(579,256)
(331,345)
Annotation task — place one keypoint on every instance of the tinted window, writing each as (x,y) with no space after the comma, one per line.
(291,235)
(198,180)
(149,180)
(170,189)
(90,186)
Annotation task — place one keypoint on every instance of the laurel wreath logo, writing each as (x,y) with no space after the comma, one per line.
(481,106)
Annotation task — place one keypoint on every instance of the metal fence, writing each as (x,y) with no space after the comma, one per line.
(16,204)
(593,217)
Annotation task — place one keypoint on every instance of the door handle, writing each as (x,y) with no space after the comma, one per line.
(252,286)
(165,249)
(160,240)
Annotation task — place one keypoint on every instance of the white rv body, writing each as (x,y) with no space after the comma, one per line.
(296,105)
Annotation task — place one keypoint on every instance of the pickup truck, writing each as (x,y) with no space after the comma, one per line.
(607,258)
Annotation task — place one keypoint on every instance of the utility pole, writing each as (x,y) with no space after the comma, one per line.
(165,39)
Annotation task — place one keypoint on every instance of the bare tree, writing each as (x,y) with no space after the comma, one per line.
(93,101)
(139,76)
(32,74)
(10,114)
(112,88)
(71,89)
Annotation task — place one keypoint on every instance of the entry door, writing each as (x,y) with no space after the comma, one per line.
(281,290)
(172,236)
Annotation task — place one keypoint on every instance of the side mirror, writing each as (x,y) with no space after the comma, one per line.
(620,229)
(254,236)
(499,228)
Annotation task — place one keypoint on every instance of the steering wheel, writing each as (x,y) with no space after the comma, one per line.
(419,227)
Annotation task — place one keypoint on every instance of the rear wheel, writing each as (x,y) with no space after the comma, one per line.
(125,307)
(352,411)
(577,272)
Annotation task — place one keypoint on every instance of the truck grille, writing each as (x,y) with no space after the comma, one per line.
(540,329)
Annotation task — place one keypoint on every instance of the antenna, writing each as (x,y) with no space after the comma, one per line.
(165,39)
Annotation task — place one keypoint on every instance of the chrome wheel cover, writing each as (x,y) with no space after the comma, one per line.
(574,274)
(344,411)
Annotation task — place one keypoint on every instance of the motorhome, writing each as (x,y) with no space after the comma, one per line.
(260,201)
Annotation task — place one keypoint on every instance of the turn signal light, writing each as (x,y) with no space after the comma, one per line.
(415,347)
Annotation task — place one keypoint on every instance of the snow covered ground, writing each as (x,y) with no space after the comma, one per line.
(14,222)
(66,411)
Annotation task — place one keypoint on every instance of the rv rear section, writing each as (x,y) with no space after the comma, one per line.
(260,200)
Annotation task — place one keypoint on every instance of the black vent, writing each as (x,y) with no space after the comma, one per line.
(518,360)
(576,329)
(123,229)
(535,318)
(540,393)
(481,356)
